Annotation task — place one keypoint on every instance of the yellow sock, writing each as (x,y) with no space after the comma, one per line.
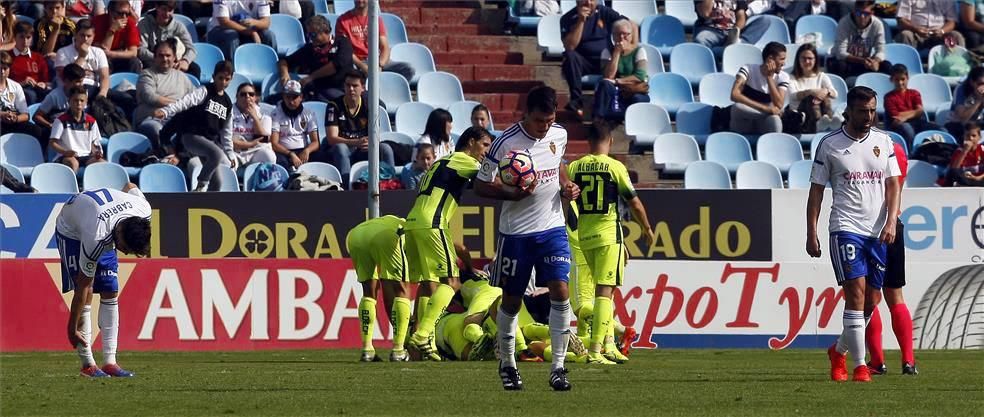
(602,320)
(400,317)
(439,301)
(422,301)
(584,317)
(367,316)
(610,334)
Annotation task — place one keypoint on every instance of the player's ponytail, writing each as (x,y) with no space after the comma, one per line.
(135,233)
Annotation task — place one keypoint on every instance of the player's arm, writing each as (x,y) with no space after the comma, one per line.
(812,216)
(568,189)
(82,293)
(462,251)
(892,201)
(639,215)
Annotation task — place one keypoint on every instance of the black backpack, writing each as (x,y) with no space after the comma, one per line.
(110,119)
(936,153)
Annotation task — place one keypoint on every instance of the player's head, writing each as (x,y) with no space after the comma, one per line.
(900,76)
(862,102)
(132,236)
(480,116)
(474,141)
(78,98)
(972,134)
(541,111)
(600,137)
(425,156)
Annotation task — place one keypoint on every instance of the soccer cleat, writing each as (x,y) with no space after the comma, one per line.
(576,345)
(115,371)
(370,356)
(527,356)
(861,374)
(594,358)
(909,369)
(838,364)
(615,355)
(399,356)
(558,380)
(421,342)
(93,371)
(625,344)
(511,380)
(483,349)
(877,369)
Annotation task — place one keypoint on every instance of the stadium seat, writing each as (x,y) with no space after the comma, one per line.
(319,108)
(635,10)
(461,115)
(815,142)
(670,90)
(230,182)
(118,77)
(897,138)
(288,31)
(706,175)
(740,54)
(823,25)
(31,110)
(439,89)
(942,116)
(644,122)
(921,175)
(791,49)
(322,170)
(520,24)
(917,141)
(693,61)
(237,80)
(779,149)
(878,82)
(694,119)
(357,169)
(398,137)
(332,19)
(321,6)
(757,175)
(934,90)
(127,142)
(683,10)
(415,54)
(25,19)
(674,151)
(271,86)
(654,60)
(840,86)
(728,149)
(663,33)
(776,31)
(935,54)
(251,169)
(163,178)
(188,24)
(16,172)
(54,178)
(900,53)
(396,30)
(255,61)
(715,89)
(411,118)
(194,81)
(208,56)
(548,38)
(394,90)
(342,6)
(267,108)
(104,175)
(384,121)
(22,151)
(799,174)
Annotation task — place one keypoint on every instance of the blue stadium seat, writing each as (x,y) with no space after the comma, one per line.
(935,92)
(127,142)
(117,77)
(396,30)
(644,122)
(897,138)
(321,6)
(194,81)
(25,19)
(237,80)
(670,90)
(715,89)
(521,24)
(900,53)
(921,175)
(22,151)
(188,24)
(271,85)
(693,61)
(415,54)
(288,31)
(917,141)
(439,89)
(411,118)
(758,175)
(654,60)
(342,6)
(879,82)
(548,38)
(255,61)
(319,108)
(826,26)
(706,175)
(104,175)
(942,116)
(461,115)
(384,121)
(779,149)
(663,33)
(397,137)
(791,49)
(683,10)
(31,110)
(356,171)
(16,172)
(208,56)
(675,151)
(230,182)
(840,86)
(799,174)
(776,30)
(740,54)
(162,178)
(728,149)
(694,119)
(322,170)
(53,178)
(635,10)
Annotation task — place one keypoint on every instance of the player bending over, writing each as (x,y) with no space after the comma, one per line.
(91,227)
(859,162)
(531,231)
(376,248)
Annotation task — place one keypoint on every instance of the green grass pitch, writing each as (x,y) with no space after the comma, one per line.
(330,382)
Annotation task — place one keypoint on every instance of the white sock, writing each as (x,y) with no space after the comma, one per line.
(560,322)
(109,325)
(85,352)
(853,335)
(507,338)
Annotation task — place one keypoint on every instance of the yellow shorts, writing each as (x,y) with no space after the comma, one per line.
(450,335)
(607,264)
(430,255)
(376,261)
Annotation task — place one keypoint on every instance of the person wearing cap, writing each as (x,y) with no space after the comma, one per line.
(294,133)
(325,58)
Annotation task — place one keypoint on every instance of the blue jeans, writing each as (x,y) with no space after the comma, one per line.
(606,94)
(228,40)
(151,128)
(342,156)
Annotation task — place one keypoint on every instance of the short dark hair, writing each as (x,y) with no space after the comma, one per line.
(543,99)
(223,67)
(244,85)
(470,134)
(84,24)
(975,74)
(23,27)
(481,107)
(73,72)
(772,49)
(6,58)
(971,126)
(173,4)
(422,147)
(114,5)
(169,42)
(599,131)
(899,69)
(136,233)
(860,94)
(77,90)
(355,73)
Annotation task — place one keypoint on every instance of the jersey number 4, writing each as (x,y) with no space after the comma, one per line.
(596,192)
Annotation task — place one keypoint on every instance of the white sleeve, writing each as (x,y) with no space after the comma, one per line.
(827,84)
(312,124)
(136,191)
(220,8)
(100,56)
(275,121)
(20,102)
(94,135)
(91,247)
(821,172)
(266,123)
(190,100)
(641,55)
(61,58)
(262,9)
(57,128)
(743,72)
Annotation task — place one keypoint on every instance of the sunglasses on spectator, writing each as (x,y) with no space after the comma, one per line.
(863,13)
(247,94)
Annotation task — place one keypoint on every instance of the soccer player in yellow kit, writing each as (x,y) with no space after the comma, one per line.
(604,182)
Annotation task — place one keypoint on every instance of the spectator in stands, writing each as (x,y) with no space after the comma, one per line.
(157,87)
(55,30)
(251,128)
(860,43)
(925,23)
(437,132)
(968,102)
(117,34)
(810,95)
(237,21)
(30,68)
(722,23)
(354,25)
(136,7)
(904,108)
(414,171)
(325,59)
(481,117)
(625,81)
(967,164)
(294,132)
(538,8)
(13,106)
(205,117)
(7,21)
(31,9)
(79,9)
(75,135)
(972,22)
(835,9)
(56,102)
(160,25)
(93,60)
(197,8)
(347,123)
(759,93)
(586,32)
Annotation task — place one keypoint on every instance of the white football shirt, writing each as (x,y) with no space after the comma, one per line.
(91,216)
(857,170)
(540,211)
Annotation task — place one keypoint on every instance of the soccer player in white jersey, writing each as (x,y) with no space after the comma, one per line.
(859,162)
(91,227)
(532,235)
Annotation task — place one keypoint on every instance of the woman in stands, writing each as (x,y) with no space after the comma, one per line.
(624,74)
(811,95)
(437,132)
(251,128)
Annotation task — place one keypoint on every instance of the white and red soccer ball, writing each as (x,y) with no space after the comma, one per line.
(516,169)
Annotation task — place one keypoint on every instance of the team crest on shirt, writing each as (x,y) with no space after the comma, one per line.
(876,151)
(553,148)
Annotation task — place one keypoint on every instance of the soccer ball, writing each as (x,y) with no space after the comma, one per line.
(516,169)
